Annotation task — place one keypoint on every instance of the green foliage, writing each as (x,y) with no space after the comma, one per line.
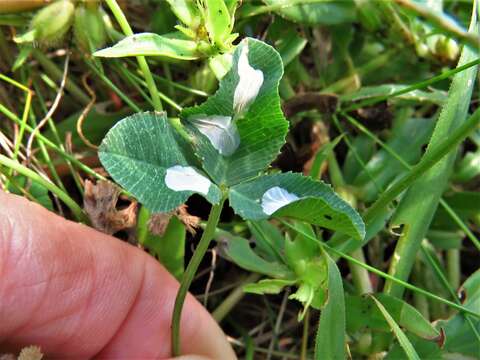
(324,12)
(89,28)
(362,313)
(285,261)
(169,248)
(385,68)
(313,202)
(47,31)
(236,134)
(148,44)
(261,127)
(434,182)
(330,339)
(137,153)
(402,338)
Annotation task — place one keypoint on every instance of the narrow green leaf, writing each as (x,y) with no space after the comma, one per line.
(433,96)
(298,197)
(239,131)
(330,339)
(402,338)
(149,44)
(143,153)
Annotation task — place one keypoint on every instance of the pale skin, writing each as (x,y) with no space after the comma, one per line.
(81,294)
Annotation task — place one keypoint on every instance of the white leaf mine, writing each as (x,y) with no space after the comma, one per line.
(220,130)
(186,178)
(276,198)
(249,84)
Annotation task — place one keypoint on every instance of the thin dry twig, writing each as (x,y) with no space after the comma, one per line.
(85,112)
(50,112)
(278,323)
(210,276)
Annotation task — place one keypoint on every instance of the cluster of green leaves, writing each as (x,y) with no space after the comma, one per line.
(205,32)
(375,53)
(139,150)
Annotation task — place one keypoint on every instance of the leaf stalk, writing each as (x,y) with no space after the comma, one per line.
(190,271)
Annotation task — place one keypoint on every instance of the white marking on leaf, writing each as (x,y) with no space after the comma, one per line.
(220,130)
(248,85)
(186,178)
(276,198)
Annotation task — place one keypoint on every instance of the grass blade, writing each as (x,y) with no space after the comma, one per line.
(330,340)
(402,338)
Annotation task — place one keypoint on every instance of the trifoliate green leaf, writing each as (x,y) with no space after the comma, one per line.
(146,155)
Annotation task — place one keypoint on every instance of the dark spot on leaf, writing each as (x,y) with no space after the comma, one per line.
(328,217)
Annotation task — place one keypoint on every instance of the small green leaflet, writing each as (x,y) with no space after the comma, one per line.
(246,111)
(149,44)
(300,198)
(139,151)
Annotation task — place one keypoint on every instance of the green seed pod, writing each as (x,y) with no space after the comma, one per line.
(52,22)
(89,28)
(447,48)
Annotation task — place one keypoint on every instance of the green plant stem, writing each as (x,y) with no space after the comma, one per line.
(142,63)
(112,86)
(360,277)
(233,298)
(420,301)
(383,274)
(453,267)
(305,333)
(76,210)
(190,271)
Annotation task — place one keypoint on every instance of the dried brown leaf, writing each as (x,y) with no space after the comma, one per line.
(100,204)
(157,224)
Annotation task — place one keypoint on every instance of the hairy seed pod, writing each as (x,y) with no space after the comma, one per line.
(89,28)
(52,22)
